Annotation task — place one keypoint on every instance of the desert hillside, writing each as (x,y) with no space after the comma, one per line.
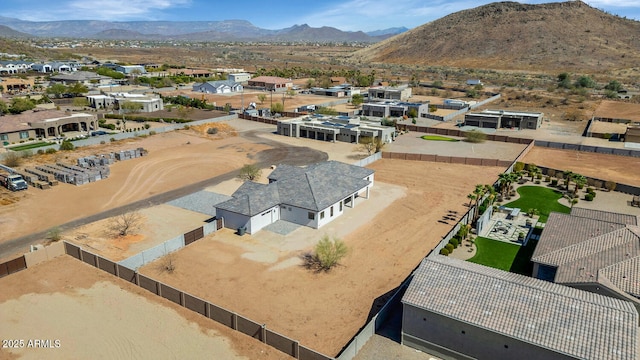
(509,35)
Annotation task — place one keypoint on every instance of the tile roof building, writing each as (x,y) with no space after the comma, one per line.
(592,250)
(311,196)
(459,310)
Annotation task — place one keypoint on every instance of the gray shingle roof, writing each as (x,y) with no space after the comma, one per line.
(605,216)
(252,199)
(314,187)
(552,316)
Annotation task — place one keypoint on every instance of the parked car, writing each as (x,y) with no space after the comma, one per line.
(99,132)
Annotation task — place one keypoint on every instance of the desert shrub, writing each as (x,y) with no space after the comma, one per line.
(54,234)
(454,242)
(588,197)
(51,151)
(591,190)
(518,166)
(26,154)
(547,178)
(537,182)
(146,126)
(554,182)
(327,254)
(40,152)
(67,145)
(152,132)
(610,185)
(475,136)
(12,159)
(212,131)
(112,139)
(449,247)
(444,252)
(551,173)
(102,142)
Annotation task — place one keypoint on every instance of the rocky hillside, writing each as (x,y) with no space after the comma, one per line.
(509,35)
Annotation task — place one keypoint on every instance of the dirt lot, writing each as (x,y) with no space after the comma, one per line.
(175,159)
(251,96)
(95,315)
(323,311)
(621,169)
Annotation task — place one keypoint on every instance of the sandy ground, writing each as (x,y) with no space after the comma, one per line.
(621,169)
(175,159)
(323,311)
(413,143)
(157,224)
(251,96)
(94,315)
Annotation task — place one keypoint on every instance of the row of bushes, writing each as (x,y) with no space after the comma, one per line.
(143,118)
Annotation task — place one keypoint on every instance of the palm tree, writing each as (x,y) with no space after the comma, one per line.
(503,182)
(568,175)
(579,181)
(533,171)
(572,200)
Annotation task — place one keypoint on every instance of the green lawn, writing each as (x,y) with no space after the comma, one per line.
(504,256)
(538,197)
(29,146)
(438,138)
(494,253)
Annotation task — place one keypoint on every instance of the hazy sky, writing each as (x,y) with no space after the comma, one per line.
(348,15)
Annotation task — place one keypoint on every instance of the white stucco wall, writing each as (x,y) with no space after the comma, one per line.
(299,216)
(263,219)
(233,220)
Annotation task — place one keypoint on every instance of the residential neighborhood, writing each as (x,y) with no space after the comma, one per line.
(195,187)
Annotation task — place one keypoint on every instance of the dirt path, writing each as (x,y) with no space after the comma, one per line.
(323,311)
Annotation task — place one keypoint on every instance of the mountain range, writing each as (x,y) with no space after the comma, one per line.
(226,30)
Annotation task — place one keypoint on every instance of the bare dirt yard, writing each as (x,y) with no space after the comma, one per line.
(237,100)
(94,315)
(324,310)
(621,169)
(174,160)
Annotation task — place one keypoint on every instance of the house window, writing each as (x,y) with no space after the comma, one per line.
(311,215)
(321,215)
(24,134)
(331,212)
(4,137)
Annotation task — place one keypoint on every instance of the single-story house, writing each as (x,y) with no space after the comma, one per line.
(130,69)
(17,84)
(218,87)
(311,196)
(239,77)
(400,93)
(335,128)
(149,102)
(14,66)
(43,124)
(456,309)
(592,250)
(497,119)
(86,78)
(270,83)
(394,108)
(196,73)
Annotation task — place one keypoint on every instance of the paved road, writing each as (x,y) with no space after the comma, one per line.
(280,153)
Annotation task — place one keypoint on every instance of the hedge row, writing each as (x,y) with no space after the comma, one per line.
(143,118)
